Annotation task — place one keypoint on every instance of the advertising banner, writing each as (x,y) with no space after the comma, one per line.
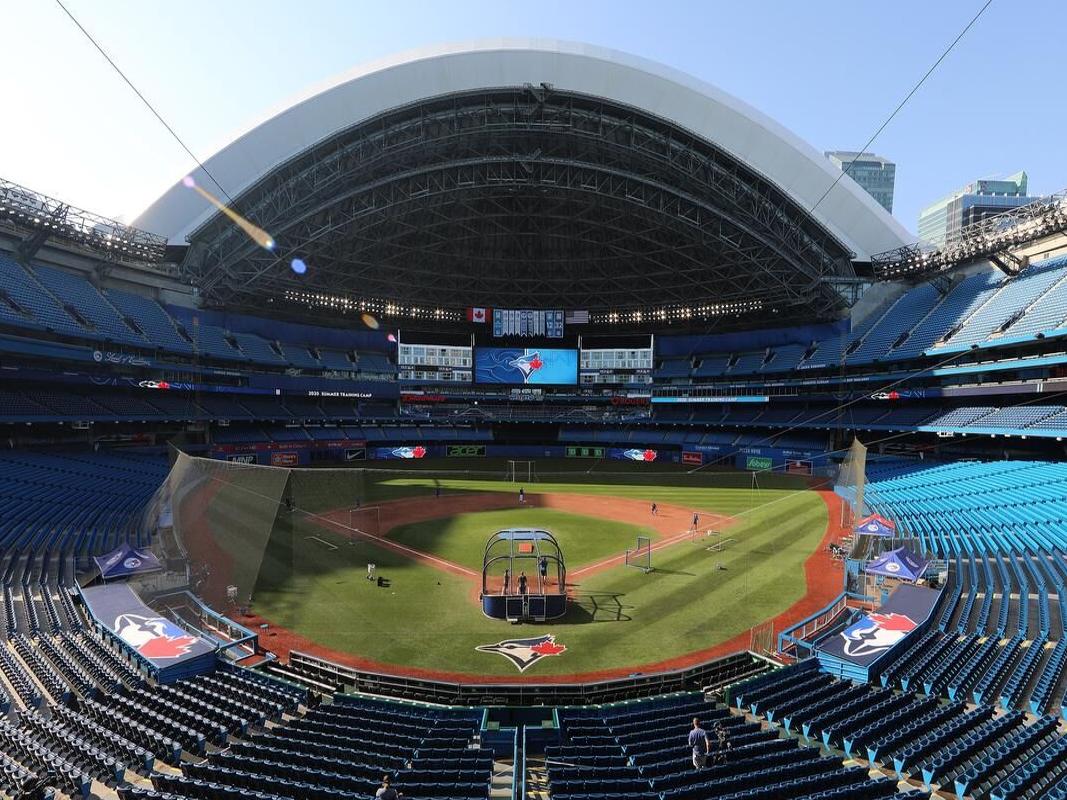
(465,451)
(689,457)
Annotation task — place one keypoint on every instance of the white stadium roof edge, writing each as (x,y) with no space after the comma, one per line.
(748,135)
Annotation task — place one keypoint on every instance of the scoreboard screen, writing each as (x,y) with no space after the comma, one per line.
(528,322)
(530,365)
(616,365)
(435,363)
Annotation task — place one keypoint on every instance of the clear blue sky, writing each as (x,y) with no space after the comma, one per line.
(830,71)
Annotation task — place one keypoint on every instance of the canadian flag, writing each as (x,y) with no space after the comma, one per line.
(477,315)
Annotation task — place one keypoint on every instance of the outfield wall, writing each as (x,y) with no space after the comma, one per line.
(302,454)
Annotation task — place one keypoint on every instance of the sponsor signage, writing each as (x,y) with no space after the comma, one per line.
(242,458)
(758,463)
(355,453)
(689,457)
(284,459)
(465,451)
(261,447)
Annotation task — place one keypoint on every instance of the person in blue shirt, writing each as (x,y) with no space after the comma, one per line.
(698,741)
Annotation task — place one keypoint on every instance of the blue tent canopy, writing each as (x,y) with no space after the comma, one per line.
(125,560)
(900,563)
(876,525)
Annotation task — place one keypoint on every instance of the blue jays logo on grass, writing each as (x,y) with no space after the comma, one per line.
(528,363)
(876,633)
(153,637)
(524,653)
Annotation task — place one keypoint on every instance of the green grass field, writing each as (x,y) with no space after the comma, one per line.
(619,618)
(461,538)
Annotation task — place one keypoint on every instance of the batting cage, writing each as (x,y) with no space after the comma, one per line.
(524,577)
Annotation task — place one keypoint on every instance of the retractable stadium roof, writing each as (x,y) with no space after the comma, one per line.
(528,173)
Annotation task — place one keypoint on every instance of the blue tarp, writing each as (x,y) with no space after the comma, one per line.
(900,563)
(876,525)
(124,561)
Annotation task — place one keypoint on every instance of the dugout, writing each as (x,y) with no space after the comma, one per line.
(510,553)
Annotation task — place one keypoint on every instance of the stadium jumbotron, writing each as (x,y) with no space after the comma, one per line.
(530,420)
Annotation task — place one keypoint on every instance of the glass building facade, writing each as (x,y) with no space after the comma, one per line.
(979,199)
(875,174)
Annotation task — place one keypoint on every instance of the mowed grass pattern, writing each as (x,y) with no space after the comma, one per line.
(620,617)
(461,538)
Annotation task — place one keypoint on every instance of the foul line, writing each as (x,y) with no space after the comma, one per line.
(420,555)
(383,541)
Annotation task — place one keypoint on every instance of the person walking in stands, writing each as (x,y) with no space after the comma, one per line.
(522,583)
(522,496)
(698,740)
(507,580)
(655,510)
(387,792)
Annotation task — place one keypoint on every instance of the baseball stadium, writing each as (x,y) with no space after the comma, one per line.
(496,415)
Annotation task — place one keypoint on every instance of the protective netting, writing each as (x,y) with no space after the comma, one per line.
(236,528)
(852,480)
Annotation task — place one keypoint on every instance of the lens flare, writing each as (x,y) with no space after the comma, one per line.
(369,321)
(298,265)
(256,234)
